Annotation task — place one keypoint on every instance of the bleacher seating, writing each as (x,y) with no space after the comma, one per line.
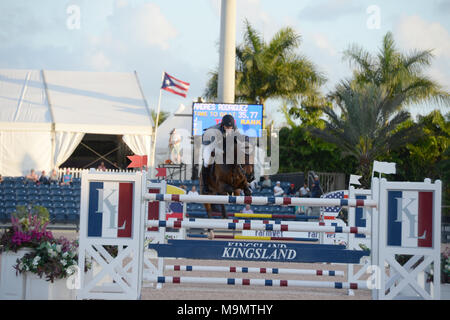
(63,202)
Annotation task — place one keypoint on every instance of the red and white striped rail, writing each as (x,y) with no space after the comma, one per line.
(283,201)
(300,223)
(255,270)
(259,282)
(214,224)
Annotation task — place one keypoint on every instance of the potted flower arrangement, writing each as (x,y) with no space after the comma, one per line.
(47,268)
(28,229)
(35,264)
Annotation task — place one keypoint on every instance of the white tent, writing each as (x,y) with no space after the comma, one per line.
(45,114)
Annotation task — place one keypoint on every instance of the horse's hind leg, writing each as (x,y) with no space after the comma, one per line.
(208,209)
(224,211)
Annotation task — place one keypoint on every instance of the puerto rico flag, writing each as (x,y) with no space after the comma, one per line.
(410,219)
(110,209)
(175,85)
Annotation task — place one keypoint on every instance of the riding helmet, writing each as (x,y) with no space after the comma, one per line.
(228,120)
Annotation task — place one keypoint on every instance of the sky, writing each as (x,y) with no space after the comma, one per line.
(181,37)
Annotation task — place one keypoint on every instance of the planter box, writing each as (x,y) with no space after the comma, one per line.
(40,289)
(12,286)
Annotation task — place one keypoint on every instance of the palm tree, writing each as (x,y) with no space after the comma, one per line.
(270,70)
(163,115)
(398,73)
(369,123)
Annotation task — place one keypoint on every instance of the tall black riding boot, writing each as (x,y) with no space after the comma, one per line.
(205,173)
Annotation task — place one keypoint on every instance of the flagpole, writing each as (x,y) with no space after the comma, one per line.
(152,162)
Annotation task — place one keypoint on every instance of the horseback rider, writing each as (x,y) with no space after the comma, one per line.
(210,140)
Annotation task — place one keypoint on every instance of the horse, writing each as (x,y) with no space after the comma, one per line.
(229,179)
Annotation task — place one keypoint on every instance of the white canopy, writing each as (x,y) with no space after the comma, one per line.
(45,114)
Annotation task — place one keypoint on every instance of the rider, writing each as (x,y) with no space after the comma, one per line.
(226,127)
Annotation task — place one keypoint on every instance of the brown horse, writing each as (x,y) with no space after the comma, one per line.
(228,179)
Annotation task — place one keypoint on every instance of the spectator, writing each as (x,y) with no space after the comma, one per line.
(66,179)
(43,179)
(291,191)
(247,209)
(193,191)
(101,166)
(316,190)
(183,187)
(175,147)
(266,184)
(277,190)
(32,177)
(53,179)
(305,192)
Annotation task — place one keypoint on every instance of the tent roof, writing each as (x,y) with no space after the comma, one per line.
(89,102)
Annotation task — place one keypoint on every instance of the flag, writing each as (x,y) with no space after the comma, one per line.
(161,172)
(340,194)
(137,161)
(174,85)
(110,209)
(410,219)
(354,179)
(384,167)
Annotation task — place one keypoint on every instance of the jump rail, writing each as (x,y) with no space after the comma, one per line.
(283,201)
(331,273)
(178,224)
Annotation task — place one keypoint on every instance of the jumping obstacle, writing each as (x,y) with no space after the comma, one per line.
(331,273)
(216,223)
(299,223)
(405,221)
(242,237)
(260,282)
(282,201)
(257,251)
(297,217)
(264,216)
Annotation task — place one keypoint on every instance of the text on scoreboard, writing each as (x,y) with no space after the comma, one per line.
(248,117)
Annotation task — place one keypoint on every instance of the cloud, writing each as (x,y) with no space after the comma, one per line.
(414,33)
(331,10)
(322,42)
(98,61)
(144,24)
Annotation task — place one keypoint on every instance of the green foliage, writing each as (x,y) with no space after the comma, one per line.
(429,156)
(163,115)
(270,70)
(300,152)
(39,211)
(397,73)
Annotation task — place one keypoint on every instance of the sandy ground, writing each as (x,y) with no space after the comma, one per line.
(239,292)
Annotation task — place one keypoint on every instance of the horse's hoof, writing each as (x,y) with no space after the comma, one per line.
(210,234)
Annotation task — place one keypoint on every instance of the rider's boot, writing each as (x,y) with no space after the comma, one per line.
(205,173)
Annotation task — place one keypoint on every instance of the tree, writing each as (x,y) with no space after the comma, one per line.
(270,70)
(368,125)
(397,73)
(163,115)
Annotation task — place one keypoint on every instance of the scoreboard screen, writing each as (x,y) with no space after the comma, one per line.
(248,117)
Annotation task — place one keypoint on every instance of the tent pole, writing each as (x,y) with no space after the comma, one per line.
(53,133)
